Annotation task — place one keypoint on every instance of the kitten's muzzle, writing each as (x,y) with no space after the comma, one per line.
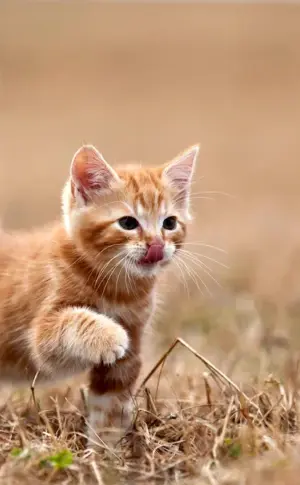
(155,252)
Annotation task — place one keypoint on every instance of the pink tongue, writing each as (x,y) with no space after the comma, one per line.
(154,254)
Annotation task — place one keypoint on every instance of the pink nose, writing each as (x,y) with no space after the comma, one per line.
(155,252)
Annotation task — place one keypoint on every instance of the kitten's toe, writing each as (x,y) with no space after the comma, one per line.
(120,351)
(111,356)
(116,344)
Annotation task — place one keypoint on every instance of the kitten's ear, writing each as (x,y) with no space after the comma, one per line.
(90,174)
(179,174)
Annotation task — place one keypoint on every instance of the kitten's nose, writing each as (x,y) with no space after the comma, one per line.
(155,251)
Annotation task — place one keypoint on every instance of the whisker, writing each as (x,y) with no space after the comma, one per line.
(193,197)
(189,272)
(202,266)
(105,266)
(206,257)
(200,243)
(176,199)
(95,269)
(81,257)
(132,281)
(193,256)
(110,274)
(176,261)
(126,276)
(193,275)
(117,281)
(128,273)
(213,192)
(127,266)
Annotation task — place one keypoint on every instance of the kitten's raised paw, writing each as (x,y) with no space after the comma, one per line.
(114,342)
(95,338)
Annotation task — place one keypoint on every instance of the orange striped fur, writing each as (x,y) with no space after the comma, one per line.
(77,295)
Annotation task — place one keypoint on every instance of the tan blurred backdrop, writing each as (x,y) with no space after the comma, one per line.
(143,82)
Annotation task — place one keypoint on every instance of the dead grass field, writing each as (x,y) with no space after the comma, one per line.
(143,82)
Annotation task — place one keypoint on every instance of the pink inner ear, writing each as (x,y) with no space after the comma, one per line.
(179,176)
(180,171)
(90,172)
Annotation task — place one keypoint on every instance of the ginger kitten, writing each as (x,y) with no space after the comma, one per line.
(77,296)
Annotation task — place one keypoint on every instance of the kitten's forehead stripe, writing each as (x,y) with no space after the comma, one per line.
(133,184)
(146,189)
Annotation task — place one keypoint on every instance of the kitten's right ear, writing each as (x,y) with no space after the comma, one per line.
(91,175)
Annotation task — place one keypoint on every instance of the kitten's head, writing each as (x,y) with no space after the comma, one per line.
(128,217)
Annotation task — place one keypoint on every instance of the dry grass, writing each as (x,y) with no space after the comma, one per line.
(193,424)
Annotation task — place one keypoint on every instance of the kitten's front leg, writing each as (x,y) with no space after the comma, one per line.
(112,387)
(111,399)
(75,338)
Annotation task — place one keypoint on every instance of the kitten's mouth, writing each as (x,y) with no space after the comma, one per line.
(151,265)
(146,262)
(154,255)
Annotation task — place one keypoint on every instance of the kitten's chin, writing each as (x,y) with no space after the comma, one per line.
(144,271)
(148,269)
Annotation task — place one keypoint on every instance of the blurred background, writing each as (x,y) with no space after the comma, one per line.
(142,83)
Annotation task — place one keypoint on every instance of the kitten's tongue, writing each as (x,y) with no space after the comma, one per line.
(154,254)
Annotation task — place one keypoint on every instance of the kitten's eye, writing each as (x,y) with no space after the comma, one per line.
(170,223)
(129,223)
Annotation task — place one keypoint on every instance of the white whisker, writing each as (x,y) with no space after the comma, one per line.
(205,257)
(200,264)
(176,261)
(106,265)
(200,243)
(128,266)
(193,197)
(104,269)
(213,192)
(194,276)
(117,281)
(111,273)
(95,269)
(195,257)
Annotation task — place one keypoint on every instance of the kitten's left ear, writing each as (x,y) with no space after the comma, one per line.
(179,174)
(90,174)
